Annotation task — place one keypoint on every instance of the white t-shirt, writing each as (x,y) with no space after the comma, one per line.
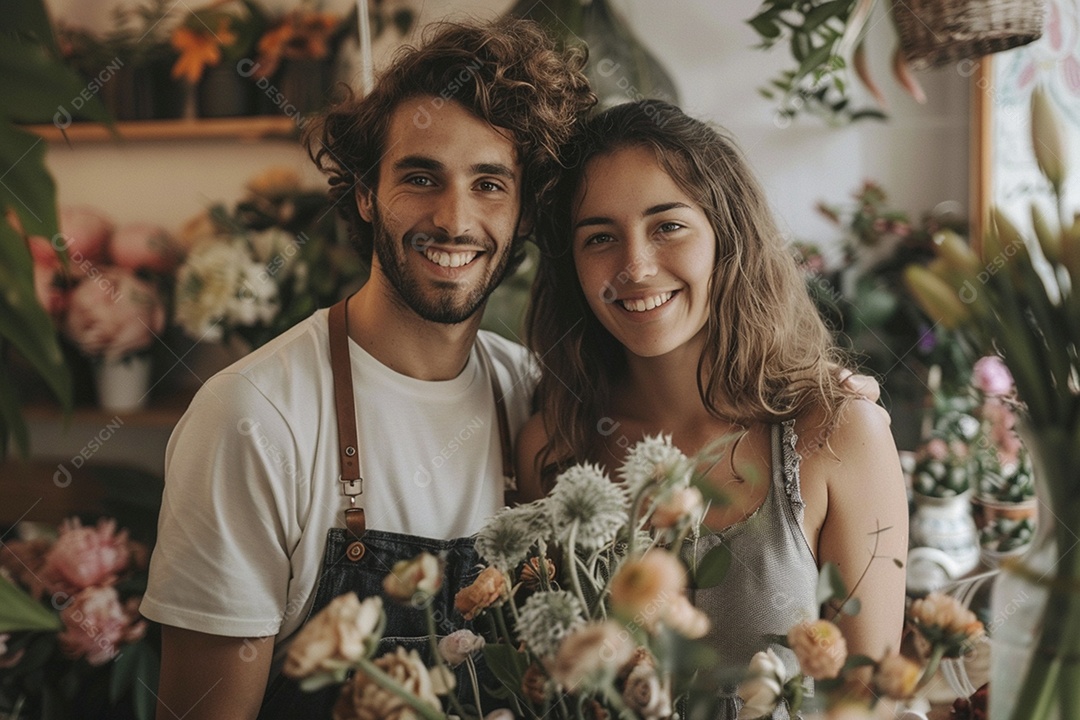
(251,475)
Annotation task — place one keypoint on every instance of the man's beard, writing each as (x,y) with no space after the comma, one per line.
(449,307)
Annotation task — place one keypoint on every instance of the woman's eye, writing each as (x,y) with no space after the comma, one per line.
(670,227)
(598,239)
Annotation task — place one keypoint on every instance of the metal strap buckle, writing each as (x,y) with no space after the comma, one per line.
(352,488)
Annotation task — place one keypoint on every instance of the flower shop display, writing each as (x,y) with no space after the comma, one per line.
(862,298)
(72,643)
(998,295)
(827,41)
(295,53)
(581,609)
(260,268)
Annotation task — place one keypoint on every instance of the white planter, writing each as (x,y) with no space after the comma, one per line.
(123,385)
(944,542)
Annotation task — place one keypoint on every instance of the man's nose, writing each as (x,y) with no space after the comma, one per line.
(453,213)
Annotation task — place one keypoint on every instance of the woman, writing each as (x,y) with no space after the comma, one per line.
(667,302)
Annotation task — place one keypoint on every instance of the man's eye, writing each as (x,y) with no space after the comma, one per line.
(419,181)
(489,186)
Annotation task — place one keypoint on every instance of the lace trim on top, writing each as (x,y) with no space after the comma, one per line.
(791,460)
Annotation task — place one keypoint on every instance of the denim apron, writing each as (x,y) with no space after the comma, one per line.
(357,559)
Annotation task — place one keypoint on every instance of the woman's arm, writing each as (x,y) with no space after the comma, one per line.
(209,676)
(866,524)
(528,449)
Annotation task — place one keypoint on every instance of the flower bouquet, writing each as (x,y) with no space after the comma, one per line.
(1019,299)
(259,269)
(580,611)
(72,643)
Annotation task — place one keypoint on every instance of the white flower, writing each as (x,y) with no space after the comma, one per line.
(505,540)
(586,498)
(206,285)
(764,687)
(459,645)
(256,298)
(646,695)
(654,459)
(548,617)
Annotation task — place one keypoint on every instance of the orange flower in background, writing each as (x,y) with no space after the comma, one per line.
(199,49)
(643,588)
(488,589)
(301,35)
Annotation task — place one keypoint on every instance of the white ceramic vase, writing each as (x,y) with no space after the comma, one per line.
(123,385)
(944,542)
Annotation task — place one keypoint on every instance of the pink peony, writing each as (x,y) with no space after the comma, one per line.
(114,314)
(43,253)
(85,556)
(992,377)
(51,296)
(95,624)
(85,233)
(144,246)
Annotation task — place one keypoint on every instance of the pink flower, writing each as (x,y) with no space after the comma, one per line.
(95,624)
(937,449)
(114,314)
(85,556)
(992,377)
(85,232)
(49,294)
(43,253)
(144,246)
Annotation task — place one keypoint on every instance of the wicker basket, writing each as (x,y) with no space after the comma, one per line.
(938,32)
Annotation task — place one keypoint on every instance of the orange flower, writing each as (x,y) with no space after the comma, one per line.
(530,573)
(199,50)
(488,589)
(641,588)
(820,648)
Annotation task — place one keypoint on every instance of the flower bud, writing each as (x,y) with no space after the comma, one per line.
(1048,138)
(1049,241)
(935,296)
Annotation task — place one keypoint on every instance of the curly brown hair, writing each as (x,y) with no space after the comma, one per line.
(767,354)
(508,73)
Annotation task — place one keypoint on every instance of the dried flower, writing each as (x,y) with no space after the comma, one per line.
(896,677)
(591,655)
(685,619)
(342,632)
(653,459)
(642,588)
(534,684)
(487,589)
(421,575)
(85,556)
(763,689)
(531,572)
(820,647)
(364,699)
(546,618)
(586,502)
(942,619)
(95,624)
(460,645)
(646,694)
(505,540)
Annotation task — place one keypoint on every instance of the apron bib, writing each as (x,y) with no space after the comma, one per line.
(357,559)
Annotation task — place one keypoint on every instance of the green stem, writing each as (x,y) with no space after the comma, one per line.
(931,666)
(390,685)
(501,622)
(476,687)
(571,565)
(438,658)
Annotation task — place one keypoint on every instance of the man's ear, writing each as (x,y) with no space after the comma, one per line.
(364,201)
(526,221)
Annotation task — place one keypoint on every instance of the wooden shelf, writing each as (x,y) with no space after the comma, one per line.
(160,412)
(242,128)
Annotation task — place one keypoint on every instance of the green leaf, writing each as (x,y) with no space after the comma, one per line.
(29,19)
(765,27)
(712,568)
(506,664)
(830,586)
(147,670)
(11,420)
(26,185)
(823,12)
(813,60)
(19,611)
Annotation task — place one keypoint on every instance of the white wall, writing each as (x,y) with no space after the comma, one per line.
(920,155)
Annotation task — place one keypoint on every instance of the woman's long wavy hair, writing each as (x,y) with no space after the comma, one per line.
(767,354)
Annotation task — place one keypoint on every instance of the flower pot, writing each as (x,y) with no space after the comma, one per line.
(123,385)
(944,541)
(224,93)
(986,510)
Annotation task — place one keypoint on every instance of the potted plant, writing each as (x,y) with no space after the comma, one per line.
(826,39)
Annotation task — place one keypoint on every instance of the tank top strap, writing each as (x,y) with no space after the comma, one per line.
(787,472)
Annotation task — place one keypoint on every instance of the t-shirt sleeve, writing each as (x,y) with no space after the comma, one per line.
(221,562)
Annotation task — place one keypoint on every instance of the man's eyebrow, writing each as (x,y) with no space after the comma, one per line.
(497,169)
(417,162)
(653,210)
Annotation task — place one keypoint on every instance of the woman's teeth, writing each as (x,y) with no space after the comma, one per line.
(446,259)
(643,304)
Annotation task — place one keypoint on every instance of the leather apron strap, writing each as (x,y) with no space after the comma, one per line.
(352,481)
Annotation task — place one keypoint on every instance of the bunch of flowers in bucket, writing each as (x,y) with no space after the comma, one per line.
(581,609)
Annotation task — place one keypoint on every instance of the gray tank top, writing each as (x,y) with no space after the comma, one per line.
(770,585)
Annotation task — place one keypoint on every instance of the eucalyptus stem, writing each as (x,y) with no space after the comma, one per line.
(390,685)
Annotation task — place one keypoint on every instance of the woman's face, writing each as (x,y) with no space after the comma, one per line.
(644,252)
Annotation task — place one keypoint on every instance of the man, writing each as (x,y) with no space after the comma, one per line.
(439,172)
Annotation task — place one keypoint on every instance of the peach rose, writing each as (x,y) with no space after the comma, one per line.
(488,589)
(646,694)
(339,634)
(421,574)
(945,613)
(685,619)
(590,652)
(896,677)
(364,699)
(95,625)
(459,646)
(641,587)
(820,648)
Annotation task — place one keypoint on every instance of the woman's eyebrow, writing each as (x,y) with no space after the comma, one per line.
(653,210)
